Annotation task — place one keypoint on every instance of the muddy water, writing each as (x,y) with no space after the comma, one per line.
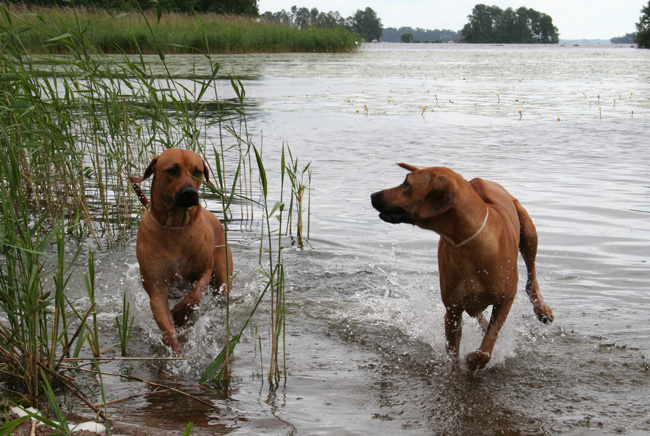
(365,343)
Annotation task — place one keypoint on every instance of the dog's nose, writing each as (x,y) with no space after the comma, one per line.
(376,200)
(187,196)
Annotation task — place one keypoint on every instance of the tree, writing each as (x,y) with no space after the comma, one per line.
(643,28)
(482,23)
(367,24)
(392,34)
(491,24)
(301,17)
(406,37)
(628,38)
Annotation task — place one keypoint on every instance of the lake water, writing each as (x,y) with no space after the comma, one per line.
(365,342)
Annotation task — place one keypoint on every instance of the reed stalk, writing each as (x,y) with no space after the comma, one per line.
(69,136)
(124,328)
(300,182)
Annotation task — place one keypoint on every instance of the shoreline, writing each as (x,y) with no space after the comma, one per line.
(39,32)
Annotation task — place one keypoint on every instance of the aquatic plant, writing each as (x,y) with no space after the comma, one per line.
(174,32)
(69,137)
(300,182)
(124,327)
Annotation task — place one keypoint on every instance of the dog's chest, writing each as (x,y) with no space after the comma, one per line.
(475,284)
(182,255)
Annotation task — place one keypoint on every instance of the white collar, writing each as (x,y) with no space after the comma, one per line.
(164,227)
(471,238)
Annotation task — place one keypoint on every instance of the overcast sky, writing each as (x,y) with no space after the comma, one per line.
(575,19)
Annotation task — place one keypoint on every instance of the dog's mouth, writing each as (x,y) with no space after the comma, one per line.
(395,216)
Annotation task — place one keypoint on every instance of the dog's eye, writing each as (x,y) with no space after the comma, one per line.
(406,183)
(173,171)
(198,173)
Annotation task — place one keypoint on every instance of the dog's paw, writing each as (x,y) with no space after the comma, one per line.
(477,360)
(180,317)
(544,312)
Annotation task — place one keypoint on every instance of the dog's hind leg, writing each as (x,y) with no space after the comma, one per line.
(528,249)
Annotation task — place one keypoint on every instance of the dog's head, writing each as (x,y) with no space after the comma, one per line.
(424,194)
(178,174)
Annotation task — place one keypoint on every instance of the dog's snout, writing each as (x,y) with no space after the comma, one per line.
(187,196)
(376,200)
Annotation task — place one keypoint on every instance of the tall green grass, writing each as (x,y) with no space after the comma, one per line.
(175,33)
(69,139)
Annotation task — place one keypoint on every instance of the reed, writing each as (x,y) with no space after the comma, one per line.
(175,33)
(69,138)
(271,267)
(34,338)
(300,182)
(124,327)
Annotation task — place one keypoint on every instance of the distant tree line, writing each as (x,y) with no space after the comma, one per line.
(628,38)
(364,22)
(391,34)
(235,7)
(491,24)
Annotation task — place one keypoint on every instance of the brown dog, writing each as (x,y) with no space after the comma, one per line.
(481,228)
(179,242)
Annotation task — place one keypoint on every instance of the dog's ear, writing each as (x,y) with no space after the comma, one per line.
(408,167)
(206,174)
(440,198)
(147,172)
(135,179)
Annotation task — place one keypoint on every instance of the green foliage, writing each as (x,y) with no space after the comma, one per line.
(303,18)
(406,37)
(363,23)
(367,24)
(174,33)
(491,24)
(391,34)
(71,128)
(628,38)
(234,7)
(642,37)
(124,328)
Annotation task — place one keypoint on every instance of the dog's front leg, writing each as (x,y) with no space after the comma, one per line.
(453,333)
(161,313)
(479,358)
(184,308)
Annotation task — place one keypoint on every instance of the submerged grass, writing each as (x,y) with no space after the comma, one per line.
(174,32)
(69,139)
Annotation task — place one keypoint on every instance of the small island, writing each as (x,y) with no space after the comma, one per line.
(491,24)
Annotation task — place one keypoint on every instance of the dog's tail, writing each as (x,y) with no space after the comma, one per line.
(528,249)
(138,191)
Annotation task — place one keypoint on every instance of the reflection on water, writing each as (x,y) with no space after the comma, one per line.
(365,345)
